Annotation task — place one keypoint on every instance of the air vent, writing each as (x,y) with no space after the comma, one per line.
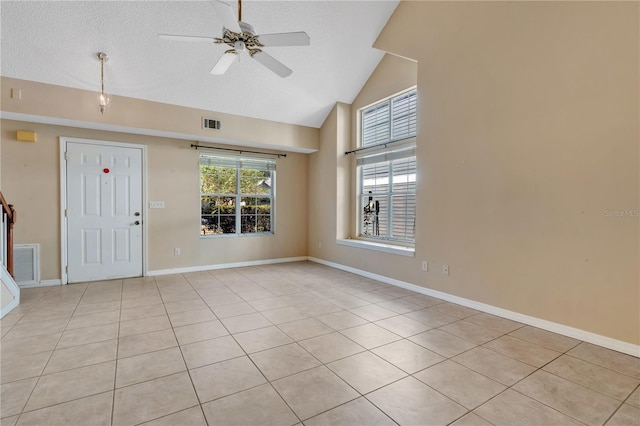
(210,123)
(26,264)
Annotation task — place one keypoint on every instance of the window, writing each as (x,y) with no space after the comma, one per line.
(236,195)
(387,170)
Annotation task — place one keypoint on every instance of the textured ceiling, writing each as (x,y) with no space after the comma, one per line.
(56,42)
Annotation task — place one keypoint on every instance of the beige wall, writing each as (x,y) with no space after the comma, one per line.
(528,137)
(30,180)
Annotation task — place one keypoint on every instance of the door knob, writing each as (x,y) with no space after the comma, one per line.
(137,222)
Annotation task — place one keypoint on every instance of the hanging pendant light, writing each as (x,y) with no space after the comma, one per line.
(103,99)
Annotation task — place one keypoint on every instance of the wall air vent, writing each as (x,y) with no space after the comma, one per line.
(210,123)
(26,264)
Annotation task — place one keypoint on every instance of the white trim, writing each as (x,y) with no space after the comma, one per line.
(42,283)
(225,266)
(63,197)
(576,333)
(31,118)
(370,245)
(7,280)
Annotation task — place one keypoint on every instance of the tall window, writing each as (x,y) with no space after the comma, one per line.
(387,169)
(236,195)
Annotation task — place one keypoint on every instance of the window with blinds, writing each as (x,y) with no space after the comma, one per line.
(386,196)
(236,195)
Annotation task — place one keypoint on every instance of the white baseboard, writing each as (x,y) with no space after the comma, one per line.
(42,283)
(576,333)
(225,266)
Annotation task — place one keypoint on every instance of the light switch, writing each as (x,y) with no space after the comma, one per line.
(156,204)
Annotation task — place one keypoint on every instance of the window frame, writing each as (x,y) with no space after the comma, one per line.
(238,196)
(389,152)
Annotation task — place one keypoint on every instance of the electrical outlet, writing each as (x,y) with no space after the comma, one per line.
(425,265)
(156,204)
(176,251)
(445,269)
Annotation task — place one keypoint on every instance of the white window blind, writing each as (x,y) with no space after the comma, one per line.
(390,120)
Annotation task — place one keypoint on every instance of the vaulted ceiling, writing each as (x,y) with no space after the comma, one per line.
(56,42)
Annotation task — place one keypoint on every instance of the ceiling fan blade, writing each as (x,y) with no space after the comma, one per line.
(273,64)
(186,38)
(285,39)
(225,13)
(223,64)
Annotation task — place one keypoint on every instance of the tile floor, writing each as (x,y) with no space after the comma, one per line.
(290,344)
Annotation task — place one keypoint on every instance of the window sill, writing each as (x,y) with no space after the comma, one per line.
(385,248)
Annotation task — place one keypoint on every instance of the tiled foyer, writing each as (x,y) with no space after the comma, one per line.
(296,343)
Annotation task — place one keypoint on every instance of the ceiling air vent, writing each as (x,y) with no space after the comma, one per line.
(210,123)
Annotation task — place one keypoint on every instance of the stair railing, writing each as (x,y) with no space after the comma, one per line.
(8,220)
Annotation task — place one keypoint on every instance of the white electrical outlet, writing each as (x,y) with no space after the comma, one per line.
(176,251)
(425,265)
(445,269)
(156,204)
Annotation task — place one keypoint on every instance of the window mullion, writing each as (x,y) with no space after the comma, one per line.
(238,201)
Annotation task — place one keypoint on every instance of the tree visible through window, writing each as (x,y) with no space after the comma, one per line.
(236,195)
(387,169)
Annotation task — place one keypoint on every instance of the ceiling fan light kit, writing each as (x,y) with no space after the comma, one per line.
(242,38)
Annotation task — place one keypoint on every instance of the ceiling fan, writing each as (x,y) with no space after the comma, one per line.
(241,37)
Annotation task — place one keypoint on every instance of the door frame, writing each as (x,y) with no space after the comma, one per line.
(63,198)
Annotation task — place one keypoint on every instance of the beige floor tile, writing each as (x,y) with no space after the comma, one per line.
(89,320)
(86,335)
(93,308)
(496,323)
(347,302)
(153,399)
(442,343)
(341,319)
(255,294)
(284,361)
(634,399)
(313,391)
(626,415)
(622,363)
(190,417)
(101,297)
(8,421)
(366,372)
(603,380)
(222,299)
(454,310)
(81,356)
(545,338)
(374,296)
(31,329)
(408,356)
(471,420)
(511,408)
(180,295)
(30,345)
(356,412)
(283,315)
(179,319)
(305,329)
(48,311)
(411,402)
(210,351)
(152,365)
(261,339)
(190,304)
(471,332)
(269,303)
(148,342)
(521,350)
(257,406)
(588,406)
(403,326)
(496,366)
(14,395)
(331,347)
(370,335)
(12,369)
(92,410)
(141,301)
(401,306)
(424,300)
(430,317)
(464,386)
(200,331)
(320,307)
(72,384)
(140,293)
(373,312)
(245,323)
(145,325)
(233,310)
(131,314)
(226,377)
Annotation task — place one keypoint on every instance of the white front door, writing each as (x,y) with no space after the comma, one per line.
(104,211)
